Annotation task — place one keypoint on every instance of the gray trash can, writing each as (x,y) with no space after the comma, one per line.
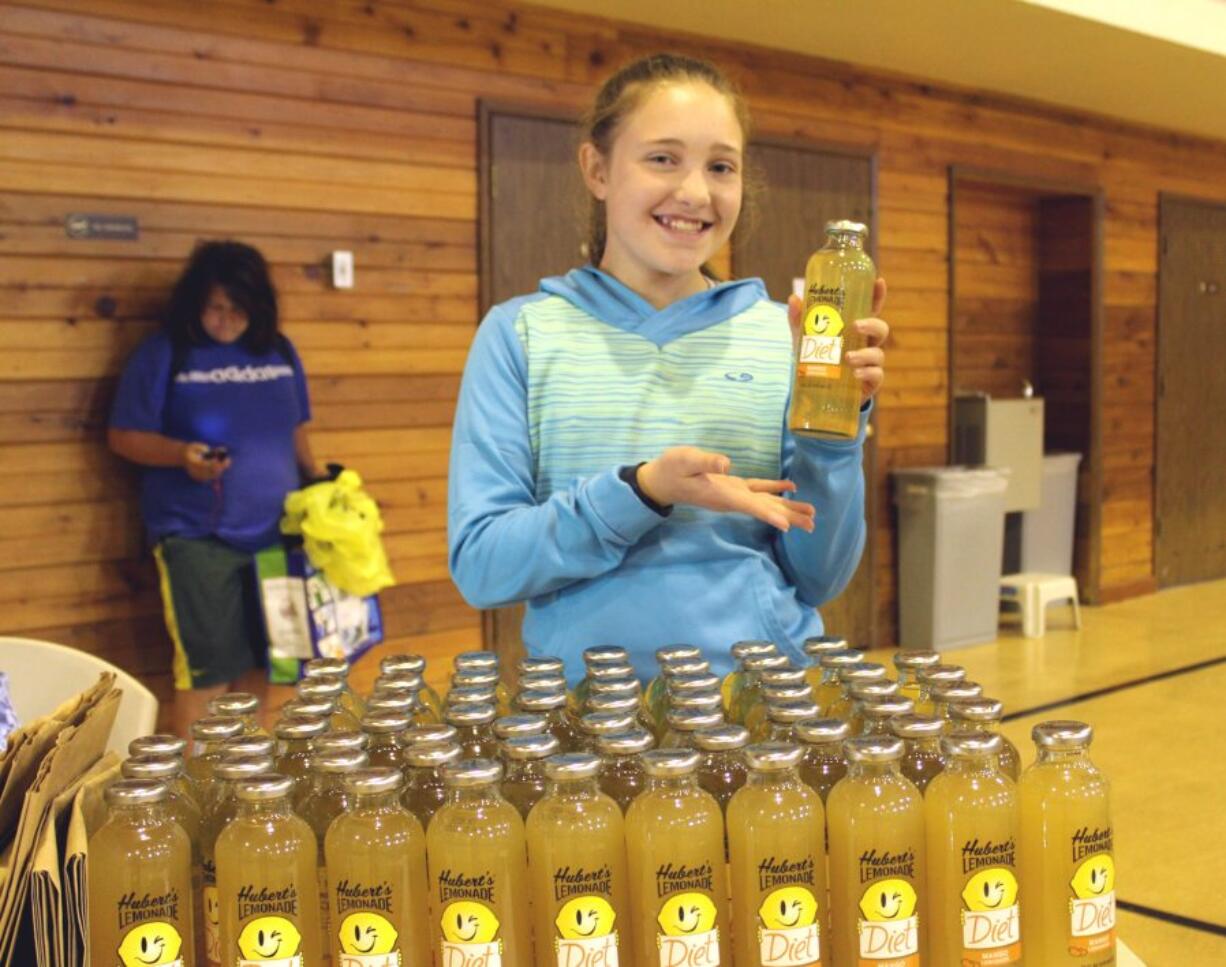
(1047,531)
(950,542)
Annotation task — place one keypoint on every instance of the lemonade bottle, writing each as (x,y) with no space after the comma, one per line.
(329,690)
(376,859)
(621,771)
(823,763)
(405,701)
(478,872)
(777,840)
(595,724)
(783,717)
(328,797)
(839,280)
(594,658)
(621,705)
(424,789)
(414,665)
(1067,858)
(240,705)
(721,768)
(984,715)
(779,684)
(653,694)
(625,689)
(483,668)
(338,669)
(221,809)
(827,692)
(941,696)
(490,682)
(851,676)
(922,758)
(266,880)
(869,692)
(973,825)
(524,781)
(873,716)
(294,734)
(207,735)
(683,723)
(385,731)
(658,707)
(475,727)
(678,886)
(319,708)
(553,706)
(734,681)
(140,881)
(814,648)
(509,726)
(876,823)
(751,686)
(577,869)
(935,675)
(908,663)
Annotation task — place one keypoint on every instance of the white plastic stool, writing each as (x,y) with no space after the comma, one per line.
(1034,592)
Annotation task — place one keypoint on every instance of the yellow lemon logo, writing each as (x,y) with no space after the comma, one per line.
(992,889)
(468,922)
(584,917)
(212,909)
(150,944)
(787,908)
(687,913)
(891,899)
(269,938)
(823,320)
(366,933)
(1094,877)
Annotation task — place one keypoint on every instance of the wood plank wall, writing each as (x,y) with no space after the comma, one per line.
(305,126)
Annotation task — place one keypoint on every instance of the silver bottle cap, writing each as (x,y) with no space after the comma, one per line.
(606,723)
(435,733)
(616,688)
(471,772)
(971,745)
(540,701)
(691,720)
(873,748)
(677,653)
(912,726)
(136,792)
(471,695)
(148,765)
(871,691)
(526,747)
(822,731)
(820,645)
(264,788)
(317,708)
(326,668)
(977,710)
(394,664)
(572,766)
(432,756)
(721,738)
(477,677)
(535,666)
(399,682)
(845,227)
(773,756)
(300,727)
(385,723)
(753,649)
(955,691)
(234,703)
(840,659)
(1062,734)
(778,677)
(406,702)
(340,761)
(248,745)
(542,682)
(512,725)
(605,655)
(766,663)
(472,660)
(692,682)
(474,714)
(916,658)
(775,694)
(861,672)
(243,767)
(374,781)
(684,666)
(886,708)
(941,675)
(610,672)
(696,701)
(666,763)
(213,728)
(613,704)
(631,742)
(791,712)
(163,743)
(339,741)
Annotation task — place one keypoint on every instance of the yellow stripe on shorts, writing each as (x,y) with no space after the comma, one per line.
(182,671)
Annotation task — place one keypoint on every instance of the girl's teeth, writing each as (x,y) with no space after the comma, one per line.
(681,225)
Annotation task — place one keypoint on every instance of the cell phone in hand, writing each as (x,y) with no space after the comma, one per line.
(217,453)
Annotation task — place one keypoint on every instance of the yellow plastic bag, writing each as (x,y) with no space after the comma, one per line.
(340,526)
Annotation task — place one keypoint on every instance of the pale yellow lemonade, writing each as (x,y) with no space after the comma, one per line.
(384,730)
(678,884)
(823,763)
(984,715)
(876,823)
(1067,857)
(221,809)
(424,790)
(414,665)
(207,735)
(814,648)
(182,808)
(140,884)
(338,669)
(850,676)
(240,705)
(523,781)
(621,771)
(935,675)
(722,769)
(826,693)
(478,869)
(777,839)
(266,881)
(908,663)
(294,734)
(577,870)
(973,824)
(922,758)
(328,797)
(734,681)
(377,890)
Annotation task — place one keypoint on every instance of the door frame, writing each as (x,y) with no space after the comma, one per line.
(867,153)
(1095,194)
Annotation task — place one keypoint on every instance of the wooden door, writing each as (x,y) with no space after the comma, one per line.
(1190,499)
(533,222)
(803,189)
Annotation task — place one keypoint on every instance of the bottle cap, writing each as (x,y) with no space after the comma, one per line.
(666,763)
(773,756)
(264,788)
(572,766)
(721,738)
(136,792)
(873,748)
(471,772)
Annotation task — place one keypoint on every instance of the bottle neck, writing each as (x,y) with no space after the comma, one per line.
(771,780)
(147,814)
(573,789)
(872,770)
(377,802)
(525,769)
(852,240)
(672,784)
(979,765)
(263,809)
(926,744)
(1062,756)
(473,796)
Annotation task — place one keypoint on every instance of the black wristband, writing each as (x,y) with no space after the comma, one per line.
(630,474)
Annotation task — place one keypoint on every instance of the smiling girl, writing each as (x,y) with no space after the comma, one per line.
(620,457)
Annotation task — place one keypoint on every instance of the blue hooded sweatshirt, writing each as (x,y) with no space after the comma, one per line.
(565,387)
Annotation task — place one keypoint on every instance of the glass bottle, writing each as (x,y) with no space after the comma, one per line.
(524,782)
(874,715)
(595,724)
(474,725)
(415,665)
(721,768)
(683,723)
(621,772)
(851,676)
(240,705)
(328,690)
(424,790)
(935,675)
(814,648)
(922,758)
(827,693)
(984,715)
(553,706)
(207,736)
(734,681)
(908,663)
(294,734)
(783,717)
(823,763)
(338,669)
(942,695)
(509,726)
(386,734)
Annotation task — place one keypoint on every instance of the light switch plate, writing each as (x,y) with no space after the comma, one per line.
(342,270)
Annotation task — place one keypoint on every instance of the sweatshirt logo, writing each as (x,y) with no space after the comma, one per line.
(739,377)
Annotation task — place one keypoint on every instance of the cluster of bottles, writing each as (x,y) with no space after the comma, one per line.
(825,814)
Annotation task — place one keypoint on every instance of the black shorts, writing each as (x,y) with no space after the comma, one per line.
(212,608)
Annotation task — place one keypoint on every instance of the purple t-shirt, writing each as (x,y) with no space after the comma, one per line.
(221,395)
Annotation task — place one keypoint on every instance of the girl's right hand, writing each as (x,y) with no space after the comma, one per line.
(199,467)
(688,475)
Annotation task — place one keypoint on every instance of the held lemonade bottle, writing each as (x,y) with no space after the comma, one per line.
(876,823)
(140,887)
(376,858)
(1068,868)
(777,834)
(678,885)
(973,825)
(478,872)
(838,291)
(577,870)
(266,880)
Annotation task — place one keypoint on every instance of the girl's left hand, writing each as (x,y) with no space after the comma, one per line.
(868,364)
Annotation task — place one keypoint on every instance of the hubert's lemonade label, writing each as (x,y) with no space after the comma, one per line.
(365,934)
(585,921)
(151,940)
(269,936)
(888,925)
(788,932)
(991,927)
(211,911)
(1092,907)
(470,925)
(688,935)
